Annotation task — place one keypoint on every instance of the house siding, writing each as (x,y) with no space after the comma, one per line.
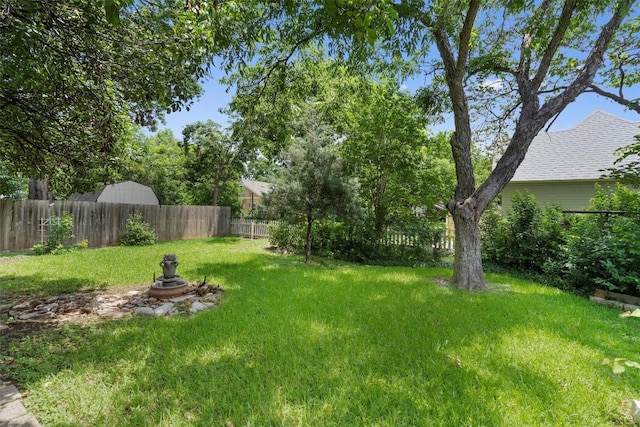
(250,201)
(570,195)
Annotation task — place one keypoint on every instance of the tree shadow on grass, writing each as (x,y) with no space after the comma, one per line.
(225,240)
(294,344)
(37,286)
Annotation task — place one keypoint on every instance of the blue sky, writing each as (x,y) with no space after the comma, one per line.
(216,97)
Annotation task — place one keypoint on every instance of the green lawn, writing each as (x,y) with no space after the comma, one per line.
(328,344)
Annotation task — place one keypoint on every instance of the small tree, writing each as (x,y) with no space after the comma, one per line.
(314,185)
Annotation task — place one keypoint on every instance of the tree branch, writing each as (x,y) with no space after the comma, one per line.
(632,105)
(524,65)
(556,40)
(465,36)
(593,62)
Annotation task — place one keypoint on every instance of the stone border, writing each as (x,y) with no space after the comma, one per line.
(12,411)
(87,306)
(614,304)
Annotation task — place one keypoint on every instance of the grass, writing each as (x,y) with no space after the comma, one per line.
(328,344)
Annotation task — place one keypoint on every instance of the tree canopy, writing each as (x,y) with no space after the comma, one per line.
(214,163)
(71,81)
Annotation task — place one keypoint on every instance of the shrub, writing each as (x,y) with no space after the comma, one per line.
(597,250)
(604,250)
(137,232)
(356,241)
(287,237)
(527,238)
(60,233)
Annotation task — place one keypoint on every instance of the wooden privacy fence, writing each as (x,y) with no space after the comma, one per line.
(100,224)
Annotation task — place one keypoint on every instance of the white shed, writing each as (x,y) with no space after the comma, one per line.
(122,192)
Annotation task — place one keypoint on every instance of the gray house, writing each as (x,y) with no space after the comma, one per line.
(122,192)
(563,167)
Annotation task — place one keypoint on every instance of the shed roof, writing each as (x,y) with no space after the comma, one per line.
(579,153)
(259,188)
(122,192)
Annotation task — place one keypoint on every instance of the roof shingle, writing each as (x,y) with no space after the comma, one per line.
(579,153)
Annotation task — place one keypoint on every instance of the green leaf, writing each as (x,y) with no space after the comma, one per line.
(112,11)
(371,36)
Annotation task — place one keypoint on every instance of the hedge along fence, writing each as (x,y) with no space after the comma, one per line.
(257,229)
(101,223)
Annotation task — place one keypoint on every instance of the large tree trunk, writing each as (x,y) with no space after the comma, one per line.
(215,194)
(467,267)
(39,190)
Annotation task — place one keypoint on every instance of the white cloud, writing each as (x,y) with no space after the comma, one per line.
(494,84)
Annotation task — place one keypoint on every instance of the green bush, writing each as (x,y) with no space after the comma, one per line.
(137,232)
(287,237)
(356,241)
(577,252)
(527,238)
(603,250)
(59,235)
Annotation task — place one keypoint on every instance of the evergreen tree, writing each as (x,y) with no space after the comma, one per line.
(314,184)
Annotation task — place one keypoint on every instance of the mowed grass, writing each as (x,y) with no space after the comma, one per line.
(327,344)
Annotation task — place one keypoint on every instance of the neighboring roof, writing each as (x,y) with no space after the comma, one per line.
(122,192)
(86,197)
(579,153)
(259,188)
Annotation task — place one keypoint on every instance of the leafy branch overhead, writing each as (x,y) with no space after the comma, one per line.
(73,82)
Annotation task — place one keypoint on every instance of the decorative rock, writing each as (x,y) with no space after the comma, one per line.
(197,306)
(147,311)
(26,305)
(48,307)
(163,309)
(182,298)
(210,297)
(3,326)
(112,306)
(30,315)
